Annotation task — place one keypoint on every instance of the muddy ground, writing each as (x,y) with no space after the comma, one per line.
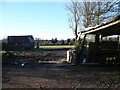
(56,74)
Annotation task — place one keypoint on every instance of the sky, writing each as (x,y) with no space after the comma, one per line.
(44,20)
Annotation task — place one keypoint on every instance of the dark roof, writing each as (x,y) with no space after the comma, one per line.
(110,28)
(22,39)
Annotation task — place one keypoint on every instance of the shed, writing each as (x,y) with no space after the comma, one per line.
(20,42)
(103,51)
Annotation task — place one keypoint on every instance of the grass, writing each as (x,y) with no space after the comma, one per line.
(57,47)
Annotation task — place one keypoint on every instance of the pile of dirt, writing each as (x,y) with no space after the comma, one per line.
(8,58)
(19,57)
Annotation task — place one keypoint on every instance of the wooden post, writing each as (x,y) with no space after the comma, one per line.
(118,38)
(82,47)
(96,47)
(68,56)
(101,38)
(97,38)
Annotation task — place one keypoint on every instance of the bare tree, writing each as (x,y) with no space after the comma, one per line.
(88,8)
(54,41)
(75,15)
(79,12)
(75,24)
(95,13)
(87,14)
(68,41)
(105,11)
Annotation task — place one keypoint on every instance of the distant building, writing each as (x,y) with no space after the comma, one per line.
(20,42)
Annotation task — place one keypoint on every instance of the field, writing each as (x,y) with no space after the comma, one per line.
(57,47)
(44,68)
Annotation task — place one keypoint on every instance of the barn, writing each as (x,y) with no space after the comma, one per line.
(104,51)
(20,42)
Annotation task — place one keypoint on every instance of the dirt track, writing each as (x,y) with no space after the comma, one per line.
(55,76)
(58,75)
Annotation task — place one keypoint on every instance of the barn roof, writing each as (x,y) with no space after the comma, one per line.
(26,38)
(110,28)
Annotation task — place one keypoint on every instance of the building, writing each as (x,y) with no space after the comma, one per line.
(20,42)
(104,51)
